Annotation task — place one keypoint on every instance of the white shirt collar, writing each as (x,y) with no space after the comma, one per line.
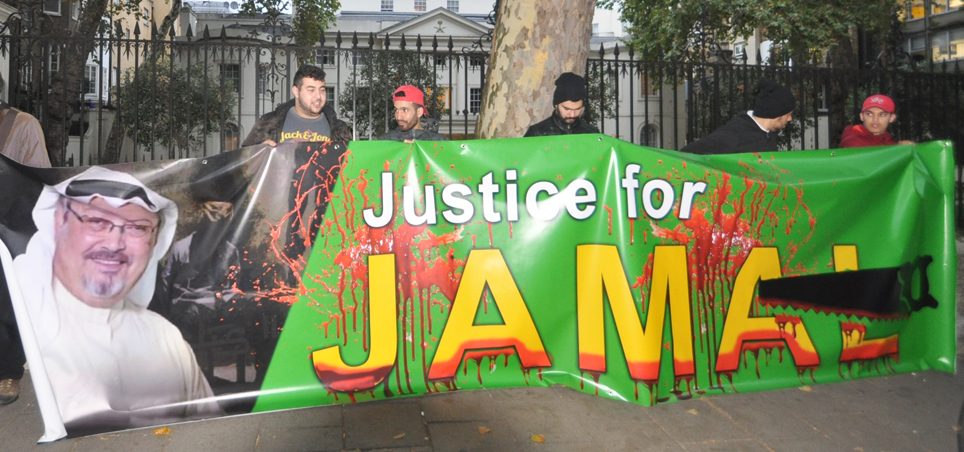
(750,112)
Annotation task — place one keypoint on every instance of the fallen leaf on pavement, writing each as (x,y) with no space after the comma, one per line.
(162,431)
(399,436)
(538,439)
(483,430)
(805,388)
(692,411)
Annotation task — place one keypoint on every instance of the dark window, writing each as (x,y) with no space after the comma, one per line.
(231,77)
(52,7)
(359,59)
(325,57)
(475,100)
(54,60)
(649,136)
(91,77)
(647,87)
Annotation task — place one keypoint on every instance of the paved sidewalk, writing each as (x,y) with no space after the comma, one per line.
(907,412)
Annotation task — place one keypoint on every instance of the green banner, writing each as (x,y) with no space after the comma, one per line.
(638,274)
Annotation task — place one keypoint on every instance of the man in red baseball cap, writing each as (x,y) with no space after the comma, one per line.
(410,116)
(877,114)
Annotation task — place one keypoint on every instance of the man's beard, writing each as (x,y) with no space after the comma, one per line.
(104,285)
(307,107)
(406,126)
(107,286)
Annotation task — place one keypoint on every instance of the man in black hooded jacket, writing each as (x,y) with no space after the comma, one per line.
(569,104)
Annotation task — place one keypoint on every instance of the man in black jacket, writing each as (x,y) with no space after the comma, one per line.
(755,130)
(569,104)
(306,117)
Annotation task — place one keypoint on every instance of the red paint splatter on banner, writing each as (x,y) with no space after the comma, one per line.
(783,320)
(289,238)
(849,328)
(477,356)
(526,371)
(685,381)
(427,274)
(726,223)
(652,386)
(736,214)
(346,382)
(767,347)
(595,378)
(866,353)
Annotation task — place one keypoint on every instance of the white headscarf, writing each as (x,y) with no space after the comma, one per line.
(34,268)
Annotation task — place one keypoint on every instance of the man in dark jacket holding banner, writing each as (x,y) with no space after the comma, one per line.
(410,111)
(568,106)
(755,130)
(306,117)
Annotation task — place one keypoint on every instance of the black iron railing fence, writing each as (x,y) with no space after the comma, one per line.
(186,95)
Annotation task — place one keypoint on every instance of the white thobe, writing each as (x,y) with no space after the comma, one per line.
(123,366)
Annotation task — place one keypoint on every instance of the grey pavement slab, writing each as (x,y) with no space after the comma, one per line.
(390,424)
(777,422)
(299,439)
(460,406)
(326,416)
(466,436)
(234,433)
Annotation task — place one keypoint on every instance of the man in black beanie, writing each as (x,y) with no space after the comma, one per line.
(752,131)
(569,104)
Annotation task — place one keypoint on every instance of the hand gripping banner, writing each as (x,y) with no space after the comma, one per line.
(320,273)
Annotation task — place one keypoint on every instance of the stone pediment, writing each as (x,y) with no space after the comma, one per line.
(439,21)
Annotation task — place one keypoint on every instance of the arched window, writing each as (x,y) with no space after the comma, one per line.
(649,136)
(231,137)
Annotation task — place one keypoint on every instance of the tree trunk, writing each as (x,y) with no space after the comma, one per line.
(112,148)
(64,97)
(533,43)
(169,19)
